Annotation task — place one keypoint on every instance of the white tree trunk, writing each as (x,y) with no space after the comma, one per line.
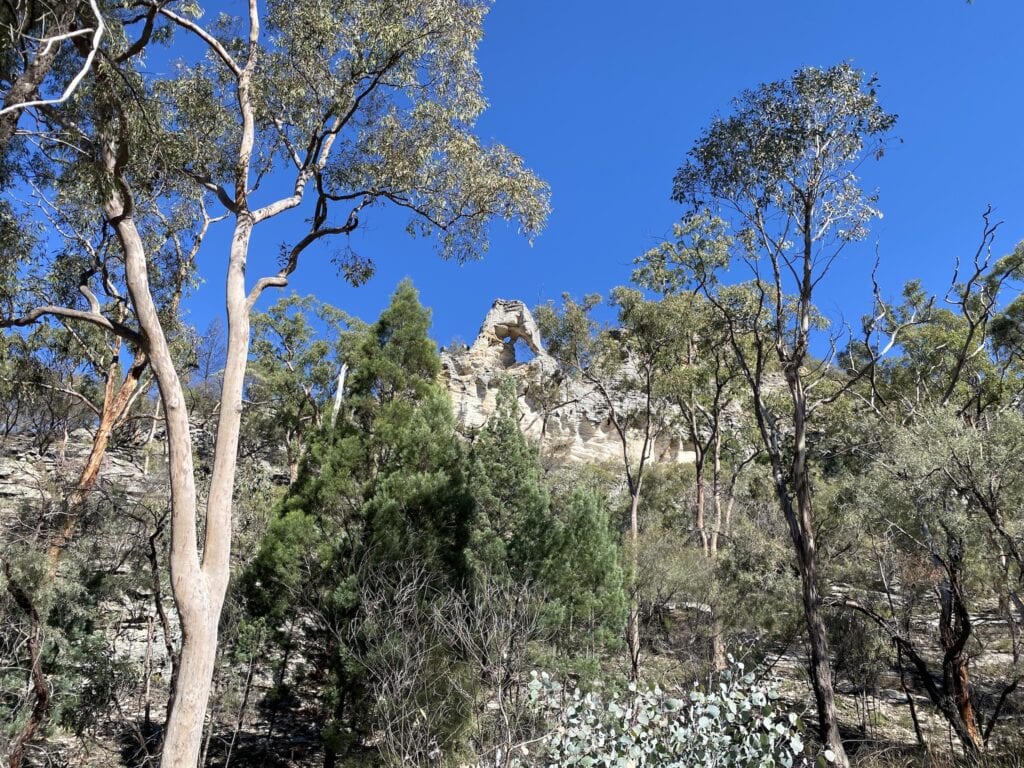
(339,395)
(198,585)
(200,596)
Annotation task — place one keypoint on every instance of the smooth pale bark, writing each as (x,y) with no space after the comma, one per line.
(198,587)
(25,87)
(339,394)
(198,584)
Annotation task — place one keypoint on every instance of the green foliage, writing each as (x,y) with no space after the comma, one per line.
(511,530)
(738,723)
(581,574)
(786,138)
(397,87)
(565,550)
(293,372)
(86,670)
(384,488)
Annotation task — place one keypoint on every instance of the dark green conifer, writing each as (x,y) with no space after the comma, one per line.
(383,490)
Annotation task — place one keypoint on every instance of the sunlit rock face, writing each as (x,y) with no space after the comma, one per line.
(567,418)
(31,473)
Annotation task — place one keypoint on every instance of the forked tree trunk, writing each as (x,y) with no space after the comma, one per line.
(955,630)
(198,585)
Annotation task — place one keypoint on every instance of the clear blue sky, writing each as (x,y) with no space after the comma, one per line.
(603,99)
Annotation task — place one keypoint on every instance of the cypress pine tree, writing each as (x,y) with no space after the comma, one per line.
(513,510)
(582,573)
(384,489)
(567,553)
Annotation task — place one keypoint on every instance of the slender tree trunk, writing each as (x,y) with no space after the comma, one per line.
(241,710)
(700,497)
(718,660)
(339,394)
(115,404)
(37,679)
(147,448)
(820,663)
(633,623)
(807,559)
(199,588)
(821,666)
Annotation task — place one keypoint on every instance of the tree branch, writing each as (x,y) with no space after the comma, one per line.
(33,315)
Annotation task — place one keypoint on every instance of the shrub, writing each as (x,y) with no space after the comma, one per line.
(738,724)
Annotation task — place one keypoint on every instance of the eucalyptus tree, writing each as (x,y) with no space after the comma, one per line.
(772,187)
(942,503)
(46,49)
(944,486)
(102,373)
(623,370)
(348,106)
(703,385)
(293,373)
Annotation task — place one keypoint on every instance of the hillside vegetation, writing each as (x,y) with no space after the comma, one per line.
(276,542)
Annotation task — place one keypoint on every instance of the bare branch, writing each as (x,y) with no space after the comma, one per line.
(213,43)
(94,46)
(33,315)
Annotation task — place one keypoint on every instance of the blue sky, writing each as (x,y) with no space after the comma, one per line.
(604,99)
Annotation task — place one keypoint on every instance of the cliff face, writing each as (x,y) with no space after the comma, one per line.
(30,474)
(569,420)
(566,417)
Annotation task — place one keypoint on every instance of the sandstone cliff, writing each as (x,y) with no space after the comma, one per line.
(566,416)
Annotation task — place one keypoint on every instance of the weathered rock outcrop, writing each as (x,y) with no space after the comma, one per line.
(30,474)
(567,417)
